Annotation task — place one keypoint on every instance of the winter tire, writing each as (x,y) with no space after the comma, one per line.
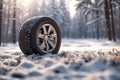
(40,36)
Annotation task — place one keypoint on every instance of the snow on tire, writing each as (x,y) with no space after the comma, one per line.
(40,36)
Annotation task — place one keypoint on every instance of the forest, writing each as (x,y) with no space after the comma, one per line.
(59,39)
(91,19)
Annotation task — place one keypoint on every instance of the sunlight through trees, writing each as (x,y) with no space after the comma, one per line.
(77,19)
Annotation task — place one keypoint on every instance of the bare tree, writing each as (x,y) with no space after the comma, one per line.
(109,20)
(1,8)
(8,20)
(14,22)
(107,17)
(112,20)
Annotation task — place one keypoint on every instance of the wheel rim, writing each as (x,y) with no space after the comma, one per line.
(46,38)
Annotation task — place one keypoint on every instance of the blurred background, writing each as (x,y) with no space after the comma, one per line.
(78,19)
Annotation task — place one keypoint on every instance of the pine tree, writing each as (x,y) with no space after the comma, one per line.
(64,19)
(53,10)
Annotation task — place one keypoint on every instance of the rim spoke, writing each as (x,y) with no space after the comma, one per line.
(49,30)
(53,35)
(42,45)
(47,38)
(45,30)
(41,36)
(51,43)
(47,47)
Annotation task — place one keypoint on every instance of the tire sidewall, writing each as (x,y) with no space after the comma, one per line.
(39,23)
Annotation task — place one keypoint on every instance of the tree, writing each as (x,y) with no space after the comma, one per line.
(83,5)
(95,8)
(53,10)
(14,22)
(91,10)
(116,14)
(112,20)
(108,29)
(109,20)
(8,20)
(1,8)
(64,19)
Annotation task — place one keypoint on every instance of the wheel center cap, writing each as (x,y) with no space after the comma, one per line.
(46,37)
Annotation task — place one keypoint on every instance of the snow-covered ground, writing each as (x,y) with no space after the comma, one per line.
(89,45)
(76,60)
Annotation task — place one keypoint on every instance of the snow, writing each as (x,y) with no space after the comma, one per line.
(77,60)
(94,20)
(89,45)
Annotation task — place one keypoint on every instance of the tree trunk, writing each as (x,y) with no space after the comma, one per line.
(85,28)
(14,23)
(112,21)
(119,24)
(1,8)
(107,17)
(97,25)
(8,21)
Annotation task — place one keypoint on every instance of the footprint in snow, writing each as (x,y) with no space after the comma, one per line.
(76,66)
(53,78)
(60,69)
(18,75)
(27,65)
(34,74)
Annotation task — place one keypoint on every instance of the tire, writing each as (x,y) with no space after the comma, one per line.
(40,36)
